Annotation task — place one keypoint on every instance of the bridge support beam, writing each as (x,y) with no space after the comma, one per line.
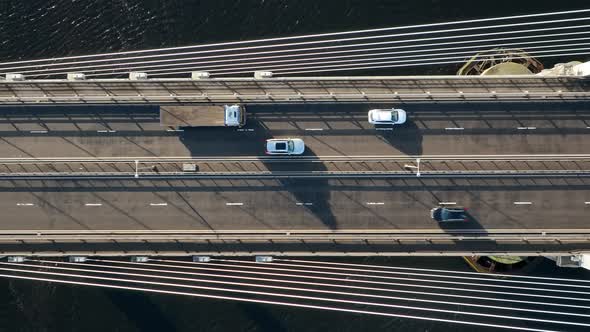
(579,260)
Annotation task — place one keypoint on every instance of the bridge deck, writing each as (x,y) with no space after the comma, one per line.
(525,207)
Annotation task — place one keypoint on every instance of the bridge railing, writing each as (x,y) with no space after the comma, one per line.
(296,90)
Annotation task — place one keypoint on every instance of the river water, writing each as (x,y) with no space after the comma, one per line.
(48,28)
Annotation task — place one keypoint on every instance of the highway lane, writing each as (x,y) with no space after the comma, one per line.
(292,204)
(329,129)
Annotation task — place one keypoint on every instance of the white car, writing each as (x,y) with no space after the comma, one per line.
(387,116)
(286,146)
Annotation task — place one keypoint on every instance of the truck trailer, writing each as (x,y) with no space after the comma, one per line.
(179,117)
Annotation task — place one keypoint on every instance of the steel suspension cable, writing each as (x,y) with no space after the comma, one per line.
(473,48)
(212,267)
(292,296)
(369,65)
(310,36)
(193,265)
(303,71)
(368,56)
(422,274)
(237,276)
(410,279)
(352,39)
(239,57)
(429,270)
(401,59)
(282,303)
(290,288)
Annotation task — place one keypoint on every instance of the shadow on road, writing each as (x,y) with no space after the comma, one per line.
(229,141)
(250,140)
(305,190)
(406,138)
(470,227)
(456,226)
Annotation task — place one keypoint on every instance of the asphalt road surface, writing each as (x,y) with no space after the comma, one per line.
(432,129)
(338,129)
(293,204)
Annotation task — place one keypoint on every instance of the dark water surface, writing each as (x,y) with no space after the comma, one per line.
(48,28)
(36,306)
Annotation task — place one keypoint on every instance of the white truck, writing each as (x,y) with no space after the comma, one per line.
(178,117)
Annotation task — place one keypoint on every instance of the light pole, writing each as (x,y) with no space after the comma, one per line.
(137,168)
(417,168)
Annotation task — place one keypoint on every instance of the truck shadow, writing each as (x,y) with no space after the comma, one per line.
(246,141)
(406,138)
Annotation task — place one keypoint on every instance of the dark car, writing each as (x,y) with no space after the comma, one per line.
(444,214)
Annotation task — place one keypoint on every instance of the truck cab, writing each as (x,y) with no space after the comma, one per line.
(234,115)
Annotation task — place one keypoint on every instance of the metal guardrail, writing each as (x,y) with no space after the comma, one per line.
(295,90)
(297,235)
(361,252)
(296,159)
(298,167)
(299,98)
(296,175)
(184,245)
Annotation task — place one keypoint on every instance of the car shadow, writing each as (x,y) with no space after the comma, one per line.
(406,138)
(304,190)
(472,223)
(470,227)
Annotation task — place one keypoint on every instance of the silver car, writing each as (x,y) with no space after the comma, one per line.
(285,146)
(390,116)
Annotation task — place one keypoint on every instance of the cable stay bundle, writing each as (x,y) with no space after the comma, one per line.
(553,34)
(526,303)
